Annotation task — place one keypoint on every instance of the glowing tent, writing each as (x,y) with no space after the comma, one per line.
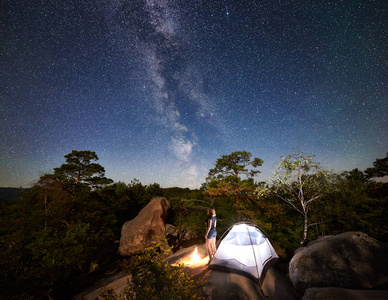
(245,250)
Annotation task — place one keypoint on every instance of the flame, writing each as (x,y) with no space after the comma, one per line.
(193,260)
(195,256)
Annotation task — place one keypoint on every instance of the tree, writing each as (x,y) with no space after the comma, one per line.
(58,228)
(355,175)
(225,177)
(299,181)
(380,168)
(79,169)
(77,174)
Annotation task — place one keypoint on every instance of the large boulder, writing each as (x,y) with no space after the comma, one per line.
(333,293)
(146,229)
(232,286)
(350,260)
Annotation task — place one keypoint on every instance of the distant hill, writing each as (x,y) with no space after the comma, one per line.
(9,194)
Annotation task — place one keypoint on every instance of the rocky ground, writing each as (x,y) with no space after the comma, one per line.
(218,284)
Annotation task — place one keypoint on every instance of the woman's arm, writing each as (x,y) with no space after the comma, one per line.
(209,222)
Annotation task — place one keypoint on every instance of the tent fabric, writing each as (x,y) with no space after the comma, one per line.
(245,249)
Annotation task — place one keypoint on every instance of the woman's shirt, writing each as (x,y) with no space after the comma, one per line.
(213,222)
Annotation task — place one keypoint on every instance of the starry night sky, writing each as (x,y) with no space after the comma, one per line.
(160,89)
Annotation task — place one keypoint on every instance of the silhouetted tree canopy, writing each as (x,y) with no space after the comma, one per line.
(226,178)
(380,168)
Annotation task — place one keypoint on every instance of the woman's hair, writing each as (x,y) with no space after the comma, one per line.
(211,211)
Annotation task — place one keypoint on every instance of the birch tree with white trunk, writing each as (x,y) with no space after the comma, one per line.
(299,180)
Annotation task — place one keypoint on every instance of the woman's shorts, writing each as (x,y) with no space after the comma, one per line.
(212,233)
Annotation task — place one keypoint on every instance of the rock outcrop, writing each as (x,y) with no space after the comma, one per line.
(117,282)
(351,260)
(144,230)
(231,286)
(341,294)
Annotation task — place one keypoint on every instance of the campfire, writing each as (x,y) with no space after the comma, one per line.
(193,260)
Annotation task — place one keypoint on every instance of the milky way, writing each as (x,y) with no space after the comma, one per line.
(161,89)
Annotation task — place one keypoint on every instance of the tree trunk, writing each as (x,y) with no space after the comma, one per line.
(45,209)
(180,221)
(238,206)
(304,231)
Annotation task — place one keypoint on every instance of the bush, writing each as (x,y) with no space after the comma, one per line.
(154,278)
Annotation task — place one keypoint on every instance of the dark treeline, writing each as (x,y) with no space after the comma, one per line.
(8,194)
(70,220)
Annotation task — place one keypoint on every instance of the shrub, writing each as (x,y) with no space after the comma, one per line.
(154,278)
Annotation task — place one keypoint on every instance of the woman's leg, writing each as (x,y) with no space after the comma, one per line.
(209,248)
(213,242)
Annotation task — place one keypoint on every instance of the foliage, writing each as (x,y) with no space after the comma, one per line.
(79,169)
(174,194)
(278,220)
(380,168)
(192,215)
(299,180)
(235,164)
(225,179)
(351,207)
(47,245)
(154,278)
(61,226)
(78,175)
(109,294)
(128,199)
(188,209)
(346,205)
(195,213)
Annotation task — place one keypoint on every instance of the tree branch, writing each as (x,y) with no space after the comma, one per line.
(317,223)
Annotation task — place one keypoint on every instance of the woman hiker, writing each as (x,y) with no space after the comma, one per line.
(211,233)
